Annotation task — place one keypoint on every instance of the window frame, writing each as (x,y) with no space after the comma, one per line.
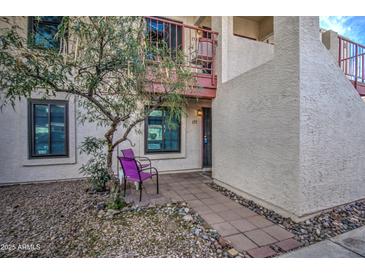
(146,150)
(32,31)
(31,126)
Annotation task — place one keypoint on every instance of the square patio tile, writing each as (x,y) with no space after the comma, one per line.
(195,190)
(170,194)
(176,199)
(209,201)
(215,194)
(212,218)
(218,207)
(184,191)
(244,212)
(243,225)
(225,229)
(278,232)
(195,203)
(202,195)
(232,205)
(229,215)
(260,237)
(223,199)
(261,252)
(188,197)
(203,209)
(288,244)
(241,242)
(259,221)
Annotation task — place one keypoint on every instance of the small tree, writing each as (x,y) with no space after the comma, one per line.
(117,75)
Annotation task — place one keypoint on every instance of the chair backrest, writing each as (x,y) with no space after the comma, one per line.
(128,153)
(129,166)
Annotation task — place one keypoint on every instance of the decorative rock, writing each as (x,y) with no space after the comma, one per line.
(101,214)
(188,218)
(327,224)
(232,252)
(223,242)
(318,232)
(100,206)
(112,212)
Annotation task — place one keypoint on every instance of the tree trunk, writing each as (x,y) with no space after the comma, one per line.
(109,135)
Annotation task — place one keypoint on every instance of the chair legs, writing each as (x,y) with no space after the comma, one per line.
(125,185)
(158,190)
(140,187)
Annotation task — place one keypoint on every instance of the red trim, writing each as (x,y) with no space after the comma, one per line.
(199,45)
(360,88)
(351,57)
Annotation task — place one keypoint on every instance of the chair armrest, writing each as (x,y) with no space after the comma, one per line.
(143,159)
(139,165)
(150,169)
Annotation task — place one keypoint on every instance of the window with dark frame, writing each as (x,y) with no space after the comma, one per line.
(48,128)
(42,31)
(162,134)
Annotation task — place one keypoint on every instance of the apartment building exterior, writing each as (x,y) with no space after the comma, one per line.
(277,114)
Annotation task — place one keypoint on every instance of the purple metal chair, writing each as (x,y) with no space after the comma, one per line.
(132,171)
(128,153)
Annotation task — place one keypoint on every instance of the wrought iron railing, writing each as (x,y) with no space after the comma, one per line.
(351,58)
(197,44)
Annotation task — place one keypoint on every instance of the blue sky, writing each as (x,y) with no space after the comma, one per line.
(352,27)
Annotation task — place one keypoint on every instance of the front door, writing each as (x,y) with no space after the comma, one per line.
(207,137)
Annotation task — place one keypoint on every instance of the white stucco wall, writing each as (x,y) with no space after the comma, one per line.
(289,133)
(256,127)
(332,150)
(236,54)
(16,167)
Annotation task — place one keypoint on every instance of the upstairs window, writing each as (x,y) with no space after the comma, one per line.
(48,128)
(162,135)
(42,31)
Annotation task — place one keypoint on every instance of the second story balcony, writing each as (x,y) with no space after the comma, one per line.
(351,58)
(198,46)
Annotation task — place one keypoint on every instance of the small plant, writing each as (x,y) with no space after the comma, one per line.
(95,168)
(116,202)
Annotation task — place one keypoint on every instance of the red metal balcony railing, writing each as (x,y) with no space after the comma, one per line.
(198,46)
(351,58)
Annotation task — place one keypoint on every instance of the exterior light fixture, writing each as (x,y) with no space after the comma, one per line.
(199,113)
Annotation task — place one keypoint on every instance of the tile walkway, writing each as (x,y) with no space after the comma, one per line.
(348,245)
(246,230)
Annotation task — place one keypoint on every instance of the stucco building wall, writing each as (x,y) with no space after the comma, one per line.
(332,147)
(256,125)
(16,167)
(289,133)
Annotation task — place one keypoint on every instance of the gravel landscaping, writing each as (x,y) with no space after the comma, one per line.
(64,219)
(325,225)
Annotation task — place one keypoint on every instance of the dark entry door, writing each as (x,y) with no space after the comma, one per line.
(207,137)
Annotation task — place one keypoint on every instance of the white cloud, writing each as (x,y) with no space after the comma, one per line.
(352,27)
(336,23)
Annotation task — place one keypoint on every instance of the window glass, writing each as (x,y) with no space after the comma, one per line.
(162,135)
(58,129)
(44,30)
(48,128)
(41,129)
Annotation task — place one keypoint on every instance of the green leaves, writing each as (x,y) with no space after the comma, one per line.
(95,168)
(109,66)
